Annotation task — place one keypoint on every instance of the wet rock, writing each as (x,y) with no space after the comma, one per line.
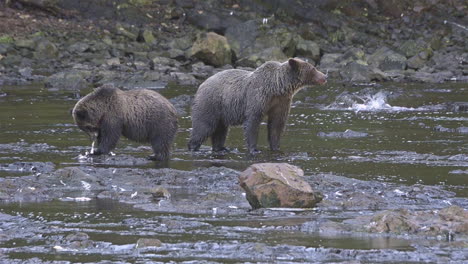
(387,60)
(426,77)
(212,49)
(45,50)
(458,107)
(277,185)
(453,219)
(462,130)
(33,167)
(68,80)
(148,242)
(159,193)
(72,177)
(347,134)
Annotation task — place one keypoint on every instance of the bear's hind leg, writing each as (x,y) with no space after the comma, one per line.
(161,148)
(219,137)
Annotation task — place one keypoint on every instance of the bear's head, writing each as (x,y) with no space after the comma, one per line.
(90,111)
(306,73)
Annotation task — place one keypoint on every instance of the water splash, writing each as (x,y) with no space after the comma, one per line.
(366,102)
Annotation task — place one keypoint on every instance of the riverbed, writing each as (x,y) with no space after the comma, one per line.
(369,148)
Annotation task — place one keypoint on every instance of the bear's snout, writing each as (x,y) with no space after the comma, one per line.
(321,78)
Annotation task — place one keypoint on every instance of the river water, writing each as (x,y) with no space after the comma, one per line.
(392,133)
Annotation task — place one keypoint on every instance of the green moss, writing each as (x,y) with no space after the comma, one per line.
(6,39)
(140,2)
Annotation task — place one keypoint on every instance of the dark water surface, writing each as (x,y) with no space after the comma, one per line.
(400,133)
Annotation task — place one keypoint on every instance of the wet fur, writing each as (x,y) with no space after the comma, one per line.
(239,97)
(141,115)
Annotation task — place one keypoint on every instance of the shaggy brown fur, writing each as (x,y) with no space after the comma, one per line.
(140,115)
(239,97)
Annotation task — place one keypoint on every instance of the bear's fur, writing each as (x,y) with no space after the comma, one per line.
(141,115)
(239,97)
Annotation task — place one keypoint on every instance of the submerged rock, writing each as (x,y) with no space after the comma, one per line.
(148,242)
(277,185)
(347,134)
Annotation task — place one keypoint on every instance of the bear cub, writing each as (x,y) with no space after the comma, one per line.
(238,97)
(141,115)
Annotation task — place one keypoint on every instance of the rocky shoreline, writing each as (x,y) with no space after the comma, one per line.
(153,43)
(433,219)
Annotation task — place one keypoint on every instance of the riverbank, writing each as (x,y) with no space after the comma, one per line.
(150,44)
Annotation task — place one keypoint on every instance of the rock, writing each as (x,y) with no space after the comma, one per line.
(356,72)
(124,32)
(411,47)
(329,61)
(159,193)
(212,49)
(308,49)
(254,41)
(201,70)
(46,50)
(78,47)
(25,72)
(436,77)
(353,55)
(417,61)
(215,20)
(26,43)
(448,221)
(387,60)
(458,107)
(257,59)
(33,167)
(347,134)
(148,242)
(277,185)
(68,80)
(183,78)
(148,36)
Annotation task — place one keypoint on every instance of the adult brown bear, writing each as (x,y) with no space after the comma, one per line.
(239,97)
(141,115)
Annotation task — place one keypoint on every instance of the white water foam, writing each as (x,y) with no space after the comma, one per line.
(368,102)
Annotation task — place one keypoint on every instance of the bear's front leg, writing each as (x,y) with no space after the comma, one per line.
(251,126)
(109,134)
(277,117)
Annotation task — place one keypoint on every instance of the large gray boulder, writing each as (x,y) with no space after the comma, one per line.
(277,185)
(254,39)
(387,60)
(212,49)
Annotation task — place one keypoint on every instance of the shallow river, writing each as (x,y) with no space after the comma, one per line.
(396,133)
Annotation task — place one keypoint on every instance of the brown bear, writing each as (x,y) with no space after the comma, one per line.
(141,115)
(239,97)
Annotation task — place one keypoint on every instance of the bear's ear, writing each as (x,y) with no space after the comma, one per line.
(81,114)
(106,90)
(294,64)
